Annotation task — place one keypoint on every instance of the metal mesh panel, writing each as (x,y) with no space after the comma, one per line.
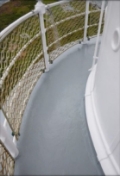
(15,103)
(21,53)
(6,161)
(93,20)
(14,42)
(92,31)
(24,67)
(64,23)
(95,5)
(65,10)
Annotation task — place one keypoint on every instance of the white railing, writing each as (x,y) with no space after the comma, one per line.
(95,57)
(86,20)
(30,44)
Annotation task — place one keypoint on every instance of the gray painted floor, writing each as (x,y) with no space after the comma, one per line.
(54,135)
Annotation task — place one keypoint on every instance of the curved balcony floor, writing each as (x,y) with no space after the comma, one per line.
(55,139)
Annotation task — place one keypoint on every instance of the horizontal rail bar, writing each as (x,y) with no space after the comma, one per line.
(65,36)
(16,57)
(70,33)
(56,3)
(66,19)
(8,29)
(69,18)
(96,24)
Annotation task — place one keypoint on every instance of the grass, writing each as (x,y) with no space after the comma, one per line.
(11,11)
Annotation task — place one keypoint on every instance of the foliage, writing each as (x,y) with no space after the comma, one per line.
(11,11)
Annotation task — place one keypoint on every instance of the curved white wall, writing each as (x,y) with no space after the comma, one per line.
(107,81)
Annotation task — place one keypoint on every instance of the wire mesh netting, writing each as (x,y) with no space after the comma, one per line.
(65,25)
(22,62)
(6,161)
(21,52)
(93,20)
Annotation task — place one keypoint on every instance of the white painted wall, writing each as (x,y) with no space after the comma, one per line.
(107,82)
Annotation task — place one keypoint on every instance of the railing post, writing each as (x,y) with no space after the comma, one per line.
(86,21)
(98,34)
(6,138)
(40,9)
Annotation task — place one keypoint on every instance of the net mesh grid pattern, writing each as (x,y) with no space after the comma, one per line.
(22,60)
(21,64)
(65,25)
(21,54)
(6,162)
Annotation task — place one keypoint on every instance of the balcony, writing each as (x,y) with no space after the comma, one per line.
(46,57)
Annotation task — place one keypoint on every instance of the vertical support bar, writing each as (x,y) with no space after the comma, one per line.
(40,9)
(105,14)
(6,138)
(86,20)
(44,41)
(5,123)
(98,34)
(9,144)
(15,141)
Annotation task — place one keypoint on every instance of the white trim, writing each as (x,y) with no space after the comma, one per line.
(115,141)
(104,154)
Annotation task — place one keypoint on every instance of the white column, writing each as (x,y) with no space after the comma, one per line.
(40,9)
(103,90)
(86,21)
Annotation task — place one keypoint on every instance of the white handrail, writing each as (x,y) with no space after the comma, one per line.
(65,36)
(8,29)
(98,34)
(2,79)
(86,21)
(56,3)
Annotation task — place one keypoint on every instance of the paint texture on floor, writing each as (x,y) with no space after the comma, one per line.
(55,139)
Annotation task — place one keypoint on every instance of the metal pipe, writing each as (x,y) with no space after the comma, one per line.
(13,25)
(9,144)
(86,21)
(40,8)
(98,34)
